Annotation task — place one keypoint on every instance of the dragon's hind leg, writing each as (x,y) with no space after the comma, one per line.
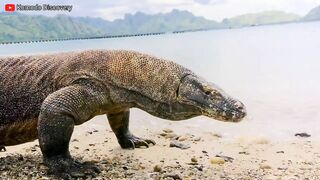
(119,123)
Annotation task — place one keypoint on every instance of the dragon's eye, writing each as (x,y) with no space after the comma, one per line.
(207,92)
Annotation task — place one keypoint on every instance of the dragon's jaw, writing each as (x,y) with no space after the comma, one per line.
(212,101)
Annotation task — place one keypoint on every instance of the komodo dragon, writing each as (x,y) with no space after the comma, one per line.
(44,96)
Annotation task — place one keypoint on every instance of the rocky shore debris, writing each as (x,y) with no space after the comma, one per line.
(178,144)
(167,130)
(217,160)
(3,149)
(157,168)
(265,166)
(172,176)
(304,135)
(244,152)
(226,158)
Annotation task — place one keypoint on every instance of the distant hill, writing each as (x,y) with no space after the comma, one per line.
(175,20)
(313,15)
(267,17)
(21,27)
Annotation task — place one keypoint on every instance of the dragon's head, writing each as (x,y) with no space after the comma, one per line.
(212,101)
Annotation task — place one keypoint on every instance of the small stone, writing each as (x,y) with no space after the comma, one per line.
(93,161)
(265,166)
(157,168)
(77,174)
(244,152)
(167,130)
(217,135)
(305,135)
(20,158)
(178,144)
(171,136)
(43,167)
(3,149)
(163,134)
(193,159)
(226,158)
(217,160)
(183,138)
(197,139)
(104,162)
(174,176)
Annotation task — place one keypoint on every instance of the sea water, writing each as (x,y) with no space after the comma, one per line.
(274,70)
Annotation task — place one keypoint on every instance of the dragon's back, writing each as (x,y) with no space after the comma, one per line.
(24,83)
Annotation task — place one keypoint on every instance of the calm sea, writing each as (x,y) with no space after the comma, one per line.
(274,70)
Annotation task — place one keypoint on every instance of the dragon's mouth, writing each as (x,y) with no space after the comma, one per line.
(228,111)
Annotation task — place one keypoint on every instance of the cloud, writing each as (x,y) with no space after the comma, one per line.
(202,1)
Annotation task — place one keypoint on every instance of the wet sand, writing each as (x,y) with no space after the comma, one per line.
(211,155)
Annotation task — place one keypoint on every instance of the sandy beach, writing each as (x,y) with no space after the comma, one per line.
(208,155)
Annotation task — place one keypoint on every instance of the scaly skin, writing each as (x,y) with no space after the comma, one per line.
(45,96)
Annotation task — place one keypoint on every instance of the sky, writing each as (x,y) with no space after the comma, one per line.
(210,9)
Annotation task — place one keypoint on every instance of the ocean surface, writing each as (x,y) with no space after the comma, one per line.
(274,70)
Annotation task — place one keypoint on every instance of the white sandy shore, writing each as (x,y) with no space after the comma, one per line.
(246,157)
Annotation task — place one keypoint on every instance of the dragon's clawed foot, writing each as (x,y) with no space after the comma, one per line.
(68,168)
(131,142)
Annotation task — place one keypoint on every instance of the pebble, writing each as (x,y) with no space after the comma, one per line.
(244,152)
(157,168)
(226,158)
(77,174)
(171,136)
(265,166)
(197,139)
(178,144)
(183,138)
(167,130)
(217,135)
(172,176)
(193,159)
(305,135)
(217,160)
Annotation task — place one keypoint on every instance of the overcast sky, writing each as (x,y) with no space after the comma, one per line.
(210,9)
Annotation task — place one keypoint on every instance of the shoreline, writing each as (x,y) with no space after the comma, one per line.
(238,158)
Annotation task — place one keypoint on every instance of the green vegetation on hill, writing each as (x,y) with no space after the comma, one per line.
(267,17)
(313,15)
(21,27)
(143,23)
